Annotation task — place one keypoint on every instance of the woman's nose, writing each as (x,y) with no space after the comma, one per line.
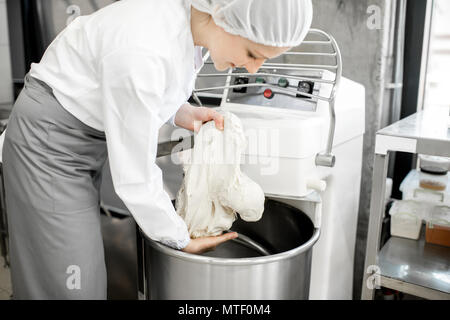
(254,67)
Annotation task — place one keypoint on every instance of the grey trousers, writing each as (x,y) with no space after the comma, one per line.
(52,169)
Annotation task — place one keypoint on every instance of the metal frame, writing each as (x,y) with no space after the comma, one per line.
(326,159)
(411,135)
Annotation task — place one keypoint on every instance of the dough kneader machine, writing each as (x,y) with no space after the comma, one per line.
(304,124)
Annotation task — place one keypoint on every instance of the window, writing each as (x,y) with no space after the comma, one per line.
(438,72)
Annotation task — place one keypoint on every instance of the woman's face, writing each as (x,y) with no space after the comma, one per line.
(230,51)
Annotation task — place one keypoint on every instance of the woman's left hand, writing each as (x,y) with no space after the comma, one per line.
(191,118)
(205,244)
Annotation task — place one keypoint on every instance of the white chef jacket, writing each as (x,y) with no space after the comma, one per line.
(126,70)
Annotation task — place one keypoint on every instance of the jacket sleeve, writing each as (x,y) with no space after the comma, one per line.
(171,121)
(135,87)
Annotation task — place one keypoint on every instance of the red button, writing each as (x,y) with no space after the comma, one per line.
(268,94)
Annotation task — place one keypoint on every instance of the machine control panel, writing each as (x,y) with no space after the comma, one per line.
(274,93)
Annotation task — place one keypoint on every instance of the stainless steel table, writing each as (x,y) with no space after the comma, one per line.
(409,266)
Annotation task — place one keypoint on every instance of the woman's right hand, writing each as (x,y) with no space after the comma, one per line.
(200,245)
(191,118)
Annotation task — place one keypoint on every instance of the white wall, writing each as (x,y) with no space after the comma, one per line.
(365,60)
(6,92)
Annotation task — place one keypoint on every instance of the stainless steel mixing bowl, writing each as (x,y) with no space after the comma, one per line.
(271,260)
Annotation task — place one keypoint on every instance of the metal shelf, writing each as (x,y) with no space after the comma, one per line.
(426,132)
(415,267)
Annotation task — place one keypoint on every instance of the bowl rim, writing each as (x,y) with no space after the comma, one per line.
(234,261)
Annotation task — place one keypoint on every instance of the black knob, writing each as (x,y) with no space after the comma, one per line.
(238,81)
(305,87)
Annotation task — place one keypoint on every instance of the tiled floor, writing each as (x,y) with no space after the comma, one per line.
(5,281)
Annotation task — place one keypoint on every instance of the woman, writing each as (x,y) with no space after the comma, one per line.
(106,85)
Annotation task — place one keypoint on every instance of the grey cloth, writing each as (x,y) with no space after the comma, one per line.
(52,170)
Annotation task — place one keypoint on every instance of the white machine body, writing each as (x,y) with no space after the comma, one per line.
(283,163)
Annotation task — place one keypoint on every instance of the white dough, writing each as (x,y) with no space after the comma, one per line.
(214,188)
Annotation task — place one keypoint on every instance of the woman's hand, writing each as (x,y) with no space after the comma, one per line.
(204,244)
(191,118)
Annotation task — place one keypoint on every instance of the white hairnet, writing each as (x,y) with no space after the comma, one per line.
(278,23)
